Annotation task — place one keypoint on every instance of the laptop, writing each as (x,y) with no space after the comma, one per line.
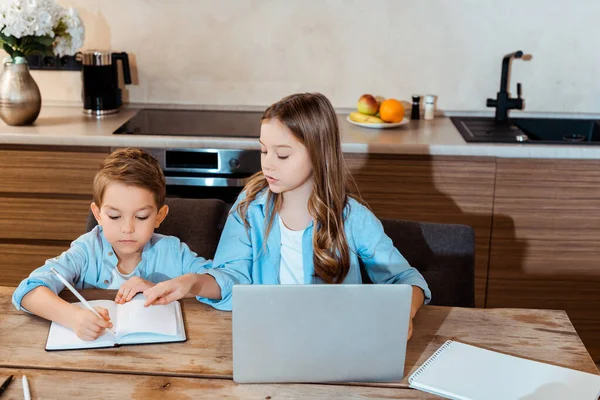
(320,333)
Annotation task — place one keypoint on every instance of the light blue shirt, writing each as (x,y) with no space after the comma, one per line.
(90,261)
(243,257)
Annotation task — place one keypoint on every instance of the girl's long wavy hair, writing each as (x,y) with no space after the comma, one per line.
(312,120)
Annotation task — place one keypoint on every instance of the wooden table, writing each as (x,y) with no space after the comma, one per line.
(542,335)
(46,384)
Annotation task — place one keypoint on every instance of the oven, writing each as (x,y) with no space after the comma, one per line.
(201,173)
(206,173)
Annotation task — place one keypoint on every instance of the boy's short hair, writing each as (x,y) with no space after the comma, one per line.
(133,167)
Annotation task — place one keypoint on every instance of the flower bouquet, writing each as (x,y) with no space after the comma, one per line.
(32,27)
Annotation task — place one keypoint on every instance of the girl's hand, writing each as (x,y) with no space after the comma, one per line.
(87,325)
(169,291)
(130,288)
(410,330)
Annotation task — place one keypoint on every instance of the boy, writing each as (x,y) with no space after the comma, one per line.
(122,252)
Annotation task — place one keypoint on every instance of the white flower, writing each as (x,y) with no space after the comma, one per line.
(29,18)
(72,40)
(41,18)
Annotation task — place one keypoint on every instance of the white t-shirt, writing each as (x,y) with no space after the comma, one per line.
(118,278)
(291,269)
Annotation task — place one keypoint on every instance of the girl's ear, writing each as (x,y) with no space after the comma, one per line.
(96,212)
(161,215)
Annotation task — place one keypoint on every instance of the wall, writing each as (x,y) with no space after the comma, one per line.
(251,53)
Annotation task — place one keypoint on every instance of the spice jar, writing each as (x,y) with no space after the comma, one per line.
(429,106)
(415,112)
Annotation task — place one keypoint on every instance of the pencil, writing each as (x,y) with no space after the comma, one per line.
(26,393)
(5,384)
(76,293)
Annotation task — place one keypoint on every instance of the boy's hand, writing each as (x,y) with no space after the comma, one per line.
(410,330)
(169,291)
(87,325)
(130,288)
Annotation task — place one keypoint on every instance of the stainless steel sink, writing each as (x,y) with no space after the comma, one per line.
(529,130)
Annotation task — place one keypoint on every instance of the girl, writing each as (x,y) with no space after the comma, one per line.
(298,220)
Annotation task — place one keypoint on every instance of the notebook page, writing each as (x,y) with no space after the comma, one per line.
(467,372)
(63,338)
(137,338)
(135,318)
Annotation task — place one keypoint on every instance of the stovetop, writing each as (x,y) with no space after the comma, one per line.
(193,123)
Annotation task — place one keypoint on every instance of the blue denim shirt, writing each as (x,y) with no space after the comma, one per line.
(243,257)
(90,261)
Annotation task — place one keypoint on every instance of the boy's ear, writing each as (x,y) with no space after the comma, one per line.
(161,215)
(96,212)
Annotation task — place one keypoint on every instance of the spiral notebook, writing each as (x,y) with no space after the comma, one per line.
(464,372)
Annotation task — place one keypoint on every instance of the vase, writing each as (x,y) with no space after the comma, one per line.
(20,99)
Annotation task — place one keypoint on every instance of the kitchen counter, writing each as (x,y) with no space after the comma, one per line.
(69,126)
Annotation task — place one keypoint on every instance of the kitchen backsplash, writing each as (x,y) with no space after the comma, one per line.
(251,53)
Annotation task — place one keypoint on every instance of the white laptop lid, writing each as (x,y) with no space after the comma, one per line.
(320,333)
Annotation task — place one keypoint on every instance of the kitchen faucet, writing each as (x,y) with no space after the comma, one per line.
(503,102)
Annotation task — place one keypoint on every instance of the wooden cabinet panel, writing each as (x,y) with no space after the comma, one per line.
(45,194)
(547,179)
(472,211)
(66,172)
(432,189)
(544,252)
(545,260)
(424,175)
(45,219)
(18,260)
(548,218)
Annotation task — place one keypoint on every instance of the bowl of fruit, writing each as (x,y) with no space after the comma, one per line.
(378,113)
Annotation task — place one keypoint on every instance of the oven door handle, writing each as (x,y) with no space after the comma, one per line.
(205,181)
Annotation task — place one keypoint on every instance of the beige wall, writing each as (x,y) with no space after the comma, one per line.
(252,53)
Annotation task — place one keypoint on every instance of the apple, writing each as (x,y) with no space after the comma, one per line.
(367,104)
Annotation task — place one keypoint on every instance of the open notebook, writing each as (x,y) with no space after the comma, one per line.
(132,322)
(461,371)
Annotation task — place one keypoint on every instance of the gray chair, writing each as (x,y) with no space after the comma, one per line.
(196,222)
(443,253)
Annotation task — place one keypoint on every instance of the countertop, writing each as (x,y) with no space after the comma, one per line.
(69,126)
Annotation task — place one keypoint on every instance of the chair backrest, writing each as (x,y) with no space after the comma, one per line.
(443,253)
(196,222)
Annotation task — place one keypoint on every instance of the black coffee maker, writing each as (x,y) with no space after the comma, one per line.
(101,92)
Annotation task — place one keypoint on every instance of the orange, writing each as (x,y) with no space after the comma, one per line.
(391,110)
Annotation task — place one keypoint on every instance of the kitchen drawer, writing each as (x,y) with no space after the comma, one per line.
(33,171)
(423,175)
(559,179)
(42,218)
(547,218)
(18,260)
(547,200)
(546,260)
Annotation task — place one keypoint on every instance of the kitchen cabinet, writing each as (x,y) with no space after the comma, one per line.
(17,260)
(456,190)
(536,222)
(544,250)
(45,193)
